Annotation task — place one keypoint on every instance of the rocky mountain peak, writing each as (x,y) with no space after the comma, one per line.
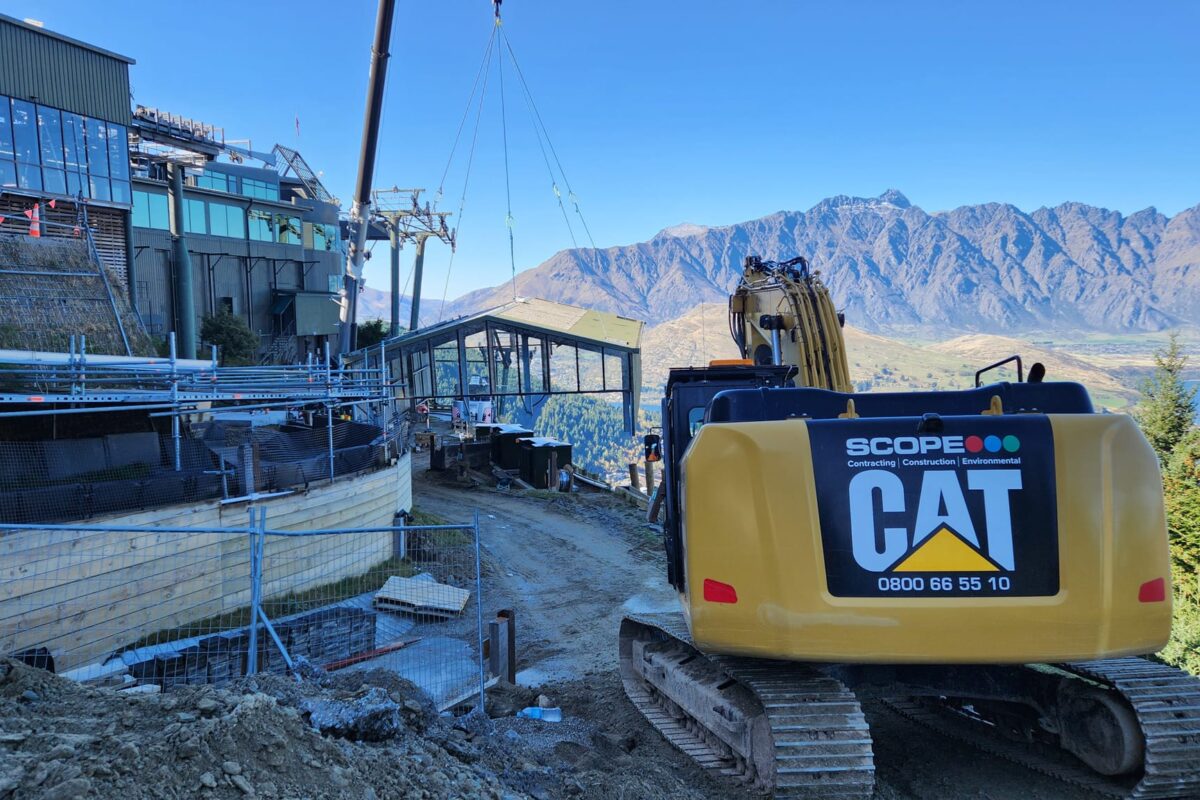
(990,268)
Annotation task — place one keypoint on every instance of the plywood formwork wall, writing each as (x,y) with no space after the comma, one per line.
(85,594)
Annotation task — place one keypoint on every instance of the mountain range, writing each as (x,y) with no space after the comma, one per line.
(898,269)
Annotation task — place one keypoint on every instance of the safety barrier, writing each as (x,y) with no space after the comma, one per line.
(158,607)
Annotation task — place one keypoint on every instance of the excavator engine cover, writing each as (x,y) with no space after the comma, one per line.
(1008,524)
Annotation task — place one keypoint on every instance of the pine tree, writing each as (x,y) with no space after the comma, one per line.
(236,343)
(1181,487)
(1166,411)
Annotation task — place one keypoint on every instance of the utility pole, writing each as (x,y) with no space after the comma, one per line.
(400,210)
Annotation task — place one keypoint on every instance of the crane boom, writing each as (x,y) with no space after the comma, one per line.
(360,210)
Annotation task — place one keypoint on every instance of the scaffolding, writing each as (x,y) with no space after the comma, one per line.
(289,424)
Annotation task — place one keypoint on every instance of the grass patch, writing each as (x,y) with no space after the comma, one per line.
(287,605)
(426,543)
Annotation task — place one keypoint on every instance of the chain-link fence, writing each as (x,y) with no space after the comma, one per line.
(157,607)
(79,478)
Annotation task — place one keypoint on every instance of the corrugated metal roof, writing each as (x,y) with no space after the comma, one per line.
(532,312)
(585,322)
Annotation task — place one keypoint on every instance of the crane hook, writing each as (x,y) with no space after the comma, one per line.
(497,3)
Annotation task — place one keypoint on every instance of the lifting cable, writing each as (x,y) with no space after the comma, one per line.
(508,217)
(485,72)
(544,142)
(542,125)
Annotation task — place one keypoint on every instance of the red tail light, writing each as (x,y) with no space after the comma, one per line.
(1154,591)
(717,592)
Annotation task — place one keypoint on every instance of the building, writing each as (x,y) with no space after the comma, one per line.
(263,241)
(264,244)
(64,121)
(504,363)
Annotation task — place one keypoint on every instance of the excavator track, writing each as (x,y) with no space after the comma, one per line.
(1165,703)
(775,727)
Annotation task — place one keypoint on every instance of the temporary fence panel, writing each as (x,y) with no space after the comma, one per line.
(168,606)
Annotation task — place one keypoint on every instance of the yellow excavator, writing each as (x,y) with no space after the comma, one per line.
(991,563)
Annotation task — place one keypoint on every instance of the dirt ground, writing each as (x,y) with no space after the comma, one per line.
(571,567)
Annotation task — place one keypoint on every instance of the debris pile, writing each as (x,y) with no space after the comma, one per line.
(61,740)
(349,734)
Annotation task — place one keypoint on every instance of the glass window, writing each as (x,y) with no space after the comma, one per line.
(50,134)
(24,124)
(445,368)
(29,176)
(193,216)
(591,366)
(216,181)
(8,174)
(6,137)
(217,224)
(226,220)
(120,191)
(236,217)
(533,372)
(78,184)
(73,142)
(141,210)
(288,228)
(256,188)
(324,237)
(160,217)
(100,188)
(260,226)
(118,154)
(564,367)
(54,181)
(97,148)
(695,419)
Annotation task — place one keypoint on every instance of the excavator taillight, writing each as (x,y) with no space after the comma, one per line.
(1154,591)
(717,592)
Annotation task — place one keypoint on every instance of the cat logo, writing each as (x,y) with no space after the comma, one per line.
(967,511)
(943,537)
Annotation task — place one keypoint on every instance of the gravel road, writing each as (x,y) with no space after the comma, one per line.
(572,566)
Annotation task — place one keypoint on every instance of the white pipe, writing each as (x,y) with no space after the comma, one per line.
(39,357)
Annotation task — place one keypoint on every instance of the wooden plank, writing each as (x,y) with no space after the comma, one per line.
(421,595)
(125,551)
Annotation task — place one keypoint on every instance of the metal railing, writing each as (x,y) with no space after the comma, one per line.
(143,606)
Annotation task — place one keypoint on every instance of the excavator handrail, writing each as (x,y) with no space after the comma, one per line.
(990,367)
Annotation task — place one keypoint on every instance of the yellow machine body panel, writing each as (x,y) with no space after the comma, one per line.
(1082,574)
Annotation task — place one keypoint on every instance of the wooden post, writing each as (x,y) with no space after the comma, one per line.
(634,481)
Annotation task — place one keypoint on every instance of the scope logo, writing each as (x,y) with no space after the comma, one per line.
(912,445)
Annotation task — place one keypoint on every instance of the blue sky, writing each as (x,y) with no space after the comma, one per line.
(697,111)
